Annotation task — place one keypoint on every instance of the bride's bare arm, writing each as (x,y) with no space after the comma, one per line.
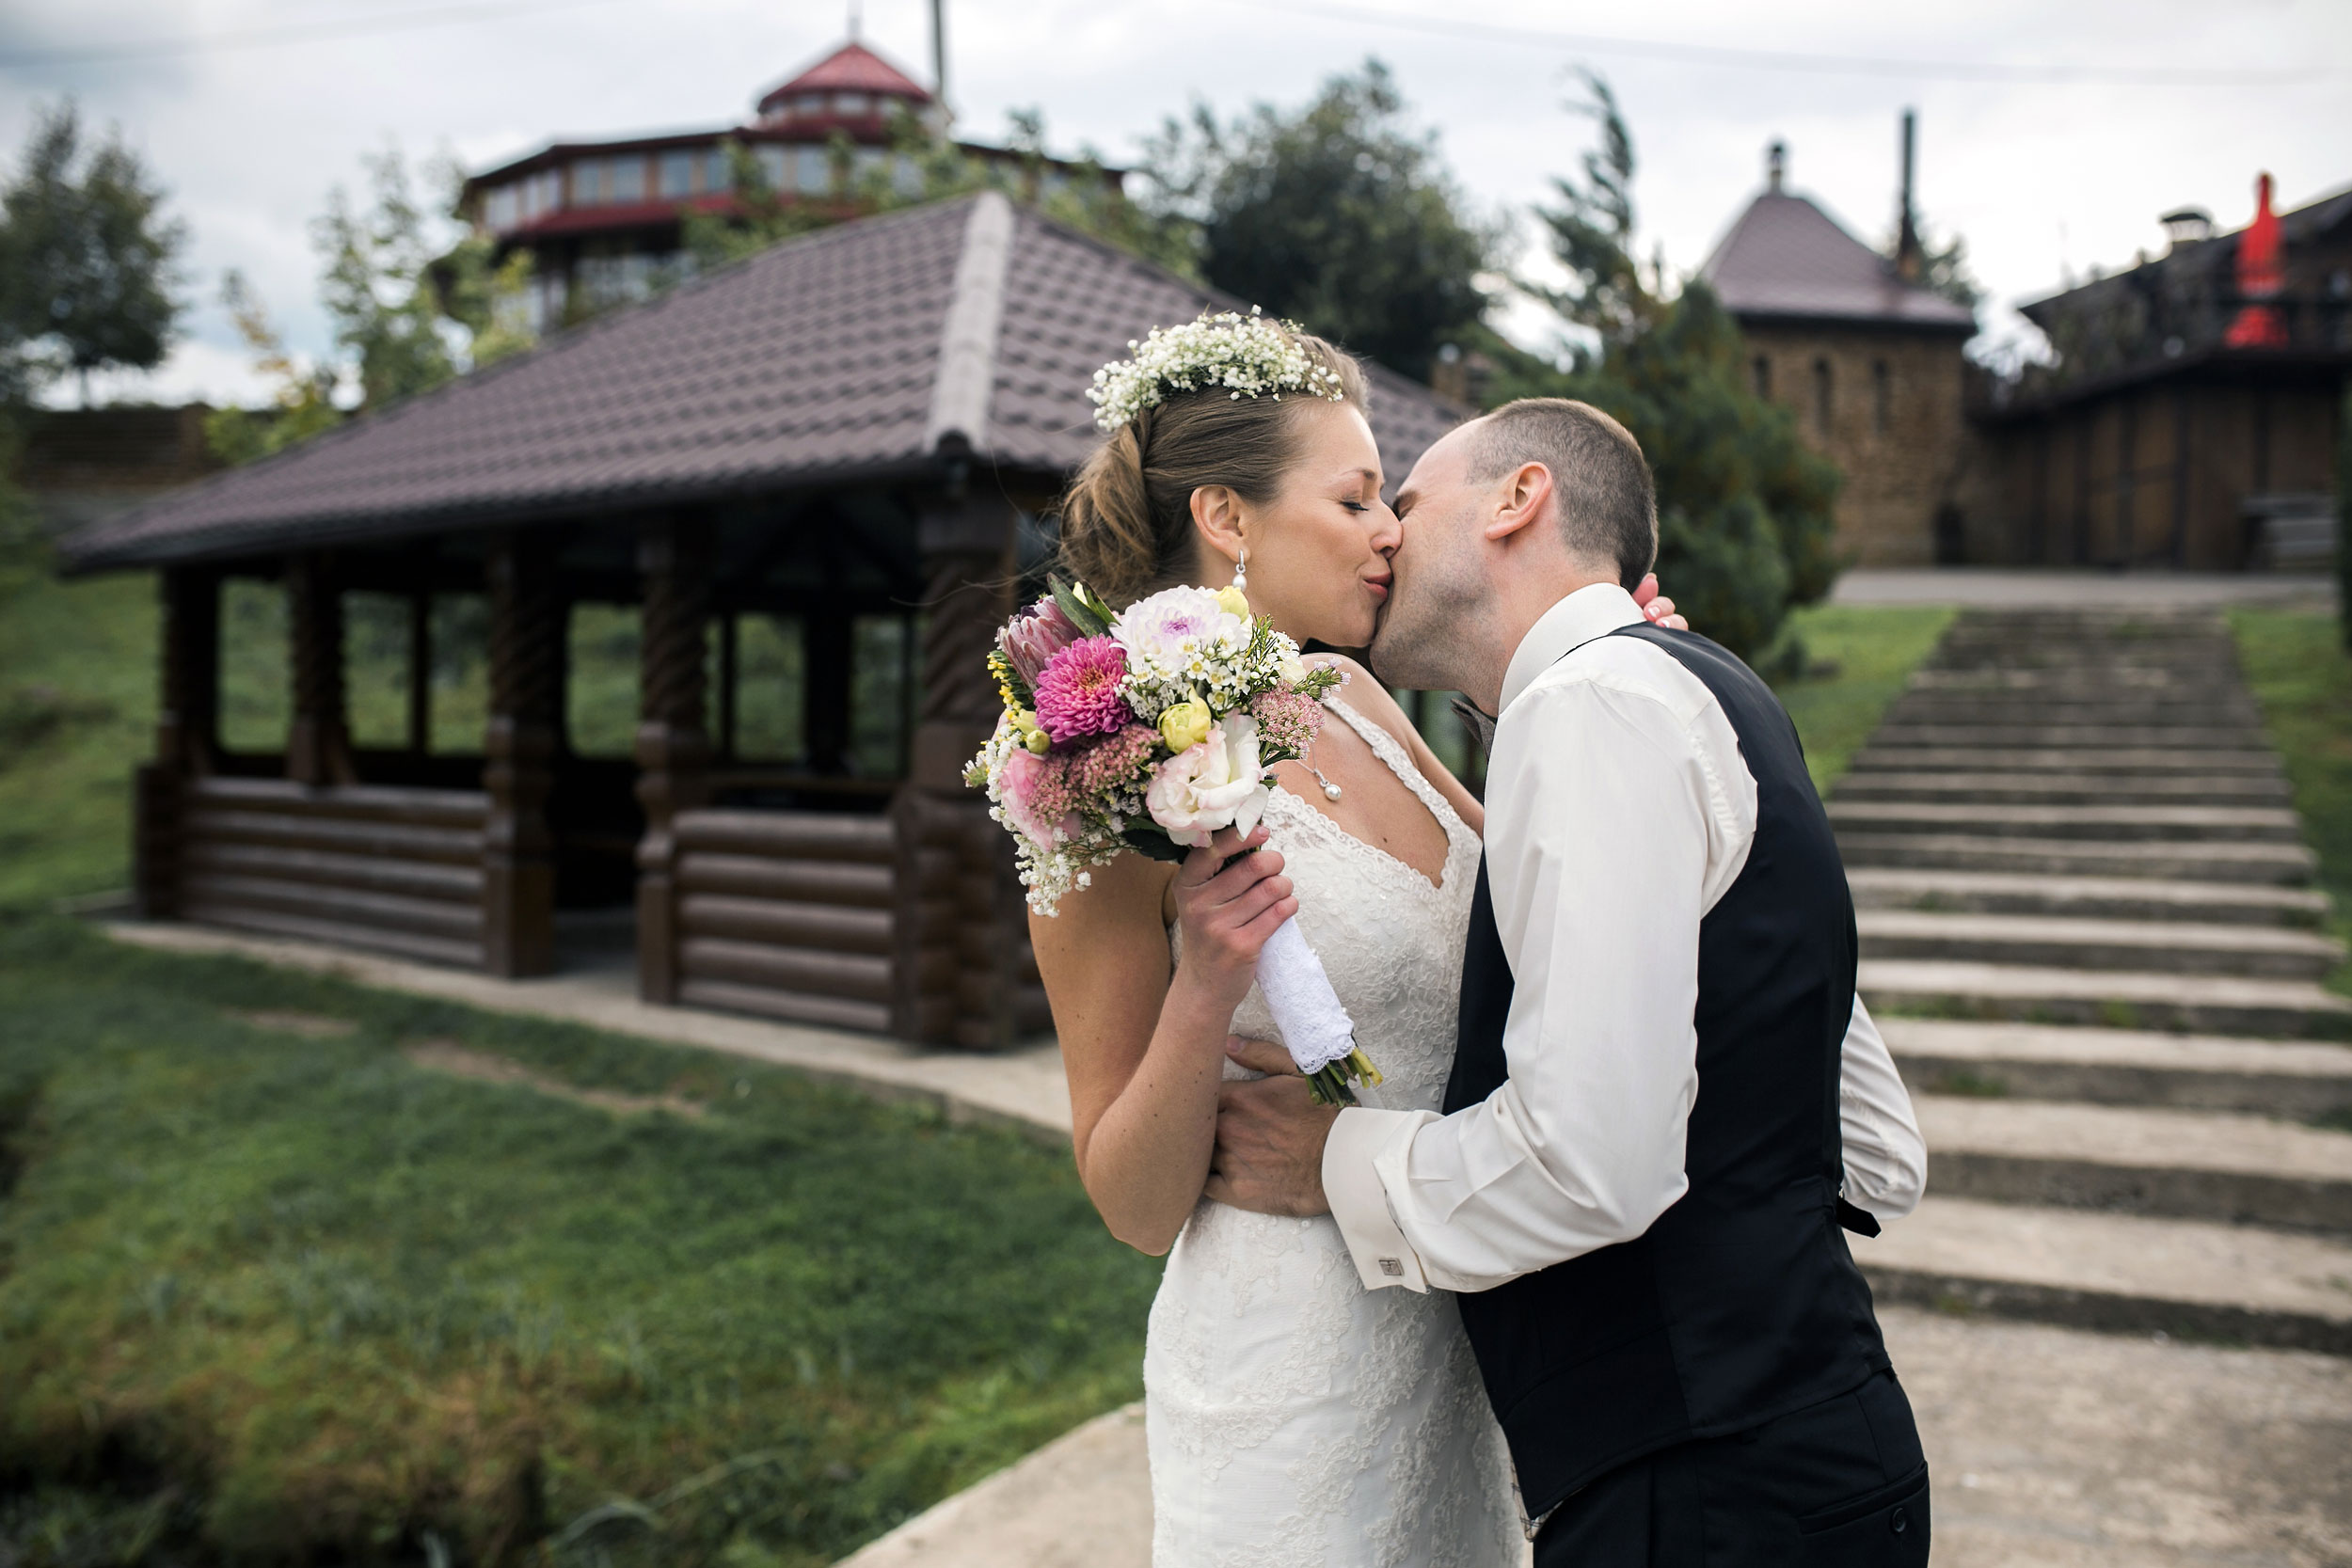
(1143,1042)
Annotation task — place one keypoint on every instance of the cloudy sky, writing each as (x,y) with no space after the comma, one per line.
(2052,134)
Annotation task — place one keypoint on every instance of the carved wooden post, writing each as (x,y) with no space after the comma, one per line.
(517,848)
(673,750)
(953,916)
(186,723)
(318,740)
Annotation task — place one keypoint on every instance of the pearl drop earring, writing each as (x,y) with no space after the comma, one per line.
(1241,571)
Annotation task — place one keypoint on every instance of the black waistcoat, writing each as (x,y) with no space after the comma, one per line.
(1741,1301)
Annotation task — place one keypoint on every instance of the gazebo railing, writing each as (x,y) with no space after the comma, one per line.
(396,870)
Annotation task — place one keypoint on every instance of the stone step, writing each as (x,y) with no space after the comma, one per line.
(2199,824)
(2058,789)
(2297,1080)
(2279,864)
(2196,1004)
(2171,946)
(1879,755)
(2182,1164)
(2104,737)
(2126,1273)
(1947,707)
(2087,678)
(2085,898)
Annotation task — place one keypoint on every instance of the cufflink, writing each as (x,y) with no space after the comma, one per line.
(1393,1268)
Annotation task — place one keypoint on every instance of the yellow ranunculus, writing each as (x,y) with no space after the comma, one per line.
(1186,725)
(1233,601)
(1039,742)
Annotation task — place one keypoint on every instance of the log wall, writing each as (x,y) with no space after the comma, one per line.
(396,870)
(790,914)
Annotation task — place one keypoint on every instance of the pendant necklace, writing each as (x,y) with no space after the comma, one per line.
(1330,790)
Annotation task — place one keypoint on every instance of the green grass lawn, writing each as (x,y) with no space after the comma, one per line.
(272,1295)
(2302,677)
(1858,658)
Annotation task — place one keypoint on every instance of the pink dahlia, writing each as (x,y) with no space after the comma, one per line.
(1077,693)
(1032,639)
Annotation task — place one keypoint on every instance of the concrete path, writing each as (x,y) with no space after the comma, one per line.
(2009,587)
(2051,1448)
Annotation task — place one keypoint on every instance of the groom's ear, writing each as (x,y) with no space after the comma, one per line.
(1521,498)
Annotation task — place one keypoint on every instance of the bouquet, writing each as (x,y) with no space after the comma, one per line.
(1148,730)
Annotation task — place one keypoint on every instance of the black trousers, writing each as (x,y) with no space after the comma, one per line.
(1838,1484)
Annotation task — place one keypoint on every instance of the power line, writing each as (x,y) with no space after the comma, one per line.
(250,38)
(1774,59)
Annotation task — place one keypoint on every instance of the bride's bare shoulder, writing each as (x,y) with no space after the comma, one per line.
(1366,695)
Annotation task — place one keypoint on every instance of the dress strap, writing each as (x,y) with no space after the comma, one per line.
(1389,750)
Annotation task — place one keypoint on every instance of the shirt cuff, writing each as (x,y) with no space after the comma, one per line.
(1360,1203)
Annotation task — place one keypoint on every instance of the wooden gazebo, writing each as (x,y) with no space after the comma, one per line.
(867,422)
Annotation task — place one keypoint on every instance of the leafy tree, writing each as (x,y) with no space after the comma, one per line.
(1338,216)
(411,310)
(1745,529)
(85,258)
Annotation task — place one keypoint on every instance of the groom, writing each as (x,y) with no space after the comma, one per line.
(1662,1080)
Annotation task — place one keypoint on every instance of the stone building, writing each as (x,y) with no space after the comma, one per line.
(1869,359)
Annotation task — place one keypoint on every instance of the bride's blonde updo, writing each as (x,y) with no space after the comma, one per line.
(1126,520)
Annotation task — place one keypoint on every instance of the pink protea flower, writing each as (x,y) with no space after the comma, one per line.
(1030,641)
(1288,721)
(1077,692)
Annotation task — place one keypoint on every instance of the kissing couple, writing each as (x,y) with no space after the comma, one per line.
(1580,1272)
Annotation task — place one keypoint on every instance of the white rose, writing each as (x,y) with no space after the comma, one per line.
(1217,784)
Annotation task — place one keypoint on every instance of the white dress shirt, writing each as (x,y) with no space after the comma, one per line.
(1618,810)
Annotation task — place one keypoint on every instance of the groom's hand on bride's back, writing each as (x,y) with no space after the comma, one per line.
(1269,1137)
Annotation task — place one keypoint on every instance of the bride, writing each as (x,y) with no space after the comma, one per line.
(1291,1416)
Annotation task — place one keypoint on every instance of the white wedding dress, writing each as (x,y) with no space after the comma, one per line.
(1293,1416)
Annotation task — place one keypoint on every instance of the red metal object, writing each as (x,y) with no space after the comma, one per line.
(2262,276)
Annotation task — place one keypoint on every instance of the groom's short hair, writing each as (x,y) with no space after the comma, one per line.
(1601,483)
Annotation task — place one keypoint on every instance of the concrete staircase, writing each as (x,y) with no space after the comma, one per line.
(2088,935)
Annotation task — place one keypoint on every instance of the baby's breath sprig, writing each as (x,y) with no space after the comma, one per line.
(1249,355)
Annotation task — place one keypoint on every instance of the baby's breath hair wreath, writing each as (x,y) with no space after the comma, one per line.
(1248,355)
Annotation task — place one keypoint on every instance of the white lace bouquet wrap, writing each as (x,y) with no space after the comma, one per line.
(1149,730)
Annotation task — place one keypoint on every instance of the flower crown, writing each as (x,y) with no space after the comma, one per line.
(1249,353)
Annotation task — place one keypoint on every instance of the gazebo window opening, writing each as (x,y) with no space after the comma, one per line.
(881,695)
(767,712)
(1882,396)
(1762,369)
(812,171)
(1821,407)
(459,638)
(256,668)
(600,694)
(677,174)
(379,673)
(718,174)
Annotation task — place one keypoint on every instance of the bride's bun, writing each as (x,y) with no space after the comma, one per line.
(1126,519)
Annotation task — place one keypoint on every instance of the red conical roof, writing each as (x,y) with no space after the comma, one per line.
(852,67)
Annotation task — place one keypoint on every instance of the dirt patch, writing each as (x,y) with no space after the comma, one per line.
(310,1026)
(458,1062)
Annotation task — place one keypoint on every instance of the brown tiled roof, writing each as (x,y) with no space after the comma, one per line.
(1785,257)
(846,356)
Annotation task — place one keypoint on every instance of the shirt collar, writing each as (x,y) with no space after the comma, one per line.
(1593,611)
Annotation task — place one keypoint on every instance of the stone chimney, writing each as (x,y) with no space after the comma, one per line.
(1909,258)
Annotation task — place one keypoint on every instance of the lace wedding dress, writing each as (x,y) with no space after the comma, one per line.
(1293,1416)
